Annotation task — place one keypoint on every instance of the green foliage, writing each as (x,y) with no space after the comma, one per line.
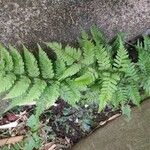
(6,82)
(46,70)
(19,88)
(17,61)
(30,63)
(7,59)
(70,71)
(97,71)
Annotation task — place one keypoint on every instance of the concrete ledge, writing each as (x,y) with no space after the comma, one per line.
(32,21)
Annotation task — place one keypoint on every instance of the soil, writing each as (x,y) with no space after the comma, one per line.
(63,121)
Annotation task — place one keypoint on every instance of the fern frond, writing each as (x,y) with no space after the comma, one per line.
(126,110)
(122,59)
(145,83)
(87,78)
(70,93)
(132,72)
(147,43)
(30,63)
(17,60)
(120,96)
(88,49)
(98,36)
(48,98)
(68,54)
(6,82)
(103,58)
(20,87)
(51,94)
(143,59)
(60,67)
(109,86)
(45,65)
(134,94)
(71,55)
(75,68)
(30,96)
(5,55)
(36,90)
(58,49)
(92,94)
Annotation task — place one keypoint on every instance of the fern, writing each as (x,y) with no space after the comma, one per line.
(98,36)
(75,68)
(6,82)
(30,63)
(69,55)
(69,92)
(120,96)
(19,88)
(147,43)
(17,61)
(92,73)
(46,70)
(31,96)
(6,57)
(87,78)
(145,84)
(60,67)
(103,58)
(122,59)
(133,92)
(48,98)
(109,86)
(88,49)
(51,94)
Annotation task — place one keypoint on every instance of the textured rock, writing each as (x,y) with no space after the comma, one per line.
(122,135)
(32,21)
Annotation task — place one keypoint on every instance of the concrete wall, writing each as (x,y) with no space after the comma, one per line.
(32,21)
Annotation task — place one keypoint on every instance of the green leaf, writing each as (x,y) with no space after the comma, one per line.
(133,92)
(32,122)
(6,82)
(48,98)
(122,59)
(19,88)
(88,49)
(30,63)
(35,91)
(126,111)
(33,94)
(98,36)
(87,78)
(103,58)
(60,67)
(45,65)
(70,93)
(72,70)
(71,55)
(109,86)
(6,57)
(57,48)
(120,96)
(17,60)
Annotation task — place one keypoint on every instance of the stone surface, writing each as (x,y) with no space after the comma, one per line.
(122,135)
(32,21)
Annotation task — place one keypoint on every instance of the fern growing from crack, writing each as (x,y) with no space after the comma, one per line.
(96,71)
